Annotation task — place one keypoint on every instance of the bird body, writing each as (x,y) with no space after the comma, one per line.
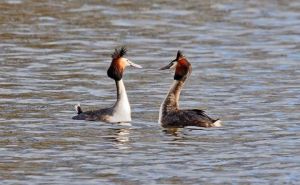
(120,111)
(170,115)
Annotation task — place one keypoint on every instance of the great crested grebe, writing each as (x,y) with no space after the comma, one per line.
(170,115)
(120,111)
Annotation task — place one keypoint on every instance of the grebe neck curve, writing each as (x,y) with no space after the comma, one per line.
(121,109)
(171,102)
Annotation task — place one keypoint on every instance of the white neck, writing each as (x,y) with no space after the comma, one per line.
(121,109)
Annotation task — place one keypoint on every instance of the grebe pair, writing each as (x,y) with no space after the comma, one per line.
(169,115)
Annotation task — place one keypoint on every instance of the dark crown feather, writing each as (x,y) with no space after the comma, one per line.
(179,54)
(119,53)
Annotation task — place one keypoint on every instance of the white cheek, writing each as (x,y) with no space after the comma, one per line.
(127,63)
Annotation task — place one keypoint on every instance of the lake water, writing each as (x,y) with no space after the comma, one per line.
(246,71)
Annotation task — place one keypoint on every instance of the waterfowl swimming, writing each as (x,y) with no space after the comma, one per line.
(170,115)
(120,111)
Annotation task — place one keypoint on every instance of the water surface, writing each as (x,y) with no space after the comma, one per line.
(245,58)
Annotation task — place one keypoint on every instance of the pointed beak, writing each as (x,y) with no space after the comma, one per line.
(134,65)
(169,66)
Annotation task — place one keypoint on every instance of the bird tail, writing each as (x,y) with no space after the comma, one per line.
(78,108)
(217,123)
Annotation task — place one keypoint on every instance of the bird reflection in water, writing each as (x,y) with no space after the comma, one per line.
(172,131)
(180,132)
(121,136)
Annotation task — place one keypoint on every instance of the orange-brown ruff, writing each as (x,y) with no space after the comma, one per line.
(120,111)
(170,115)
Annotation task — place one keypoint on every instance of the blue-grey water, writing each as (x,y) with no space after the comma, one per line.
(245,57)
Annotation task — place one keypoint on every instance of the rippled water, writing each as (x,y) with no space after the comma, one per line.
(245,58)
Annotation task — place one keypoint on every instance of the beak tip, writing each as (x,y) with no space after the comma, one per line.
(139,66)
(135,65)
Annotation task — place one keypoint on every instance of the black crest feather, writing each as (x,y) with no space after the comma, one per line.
(179,54)
(119,53)
(114,71)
